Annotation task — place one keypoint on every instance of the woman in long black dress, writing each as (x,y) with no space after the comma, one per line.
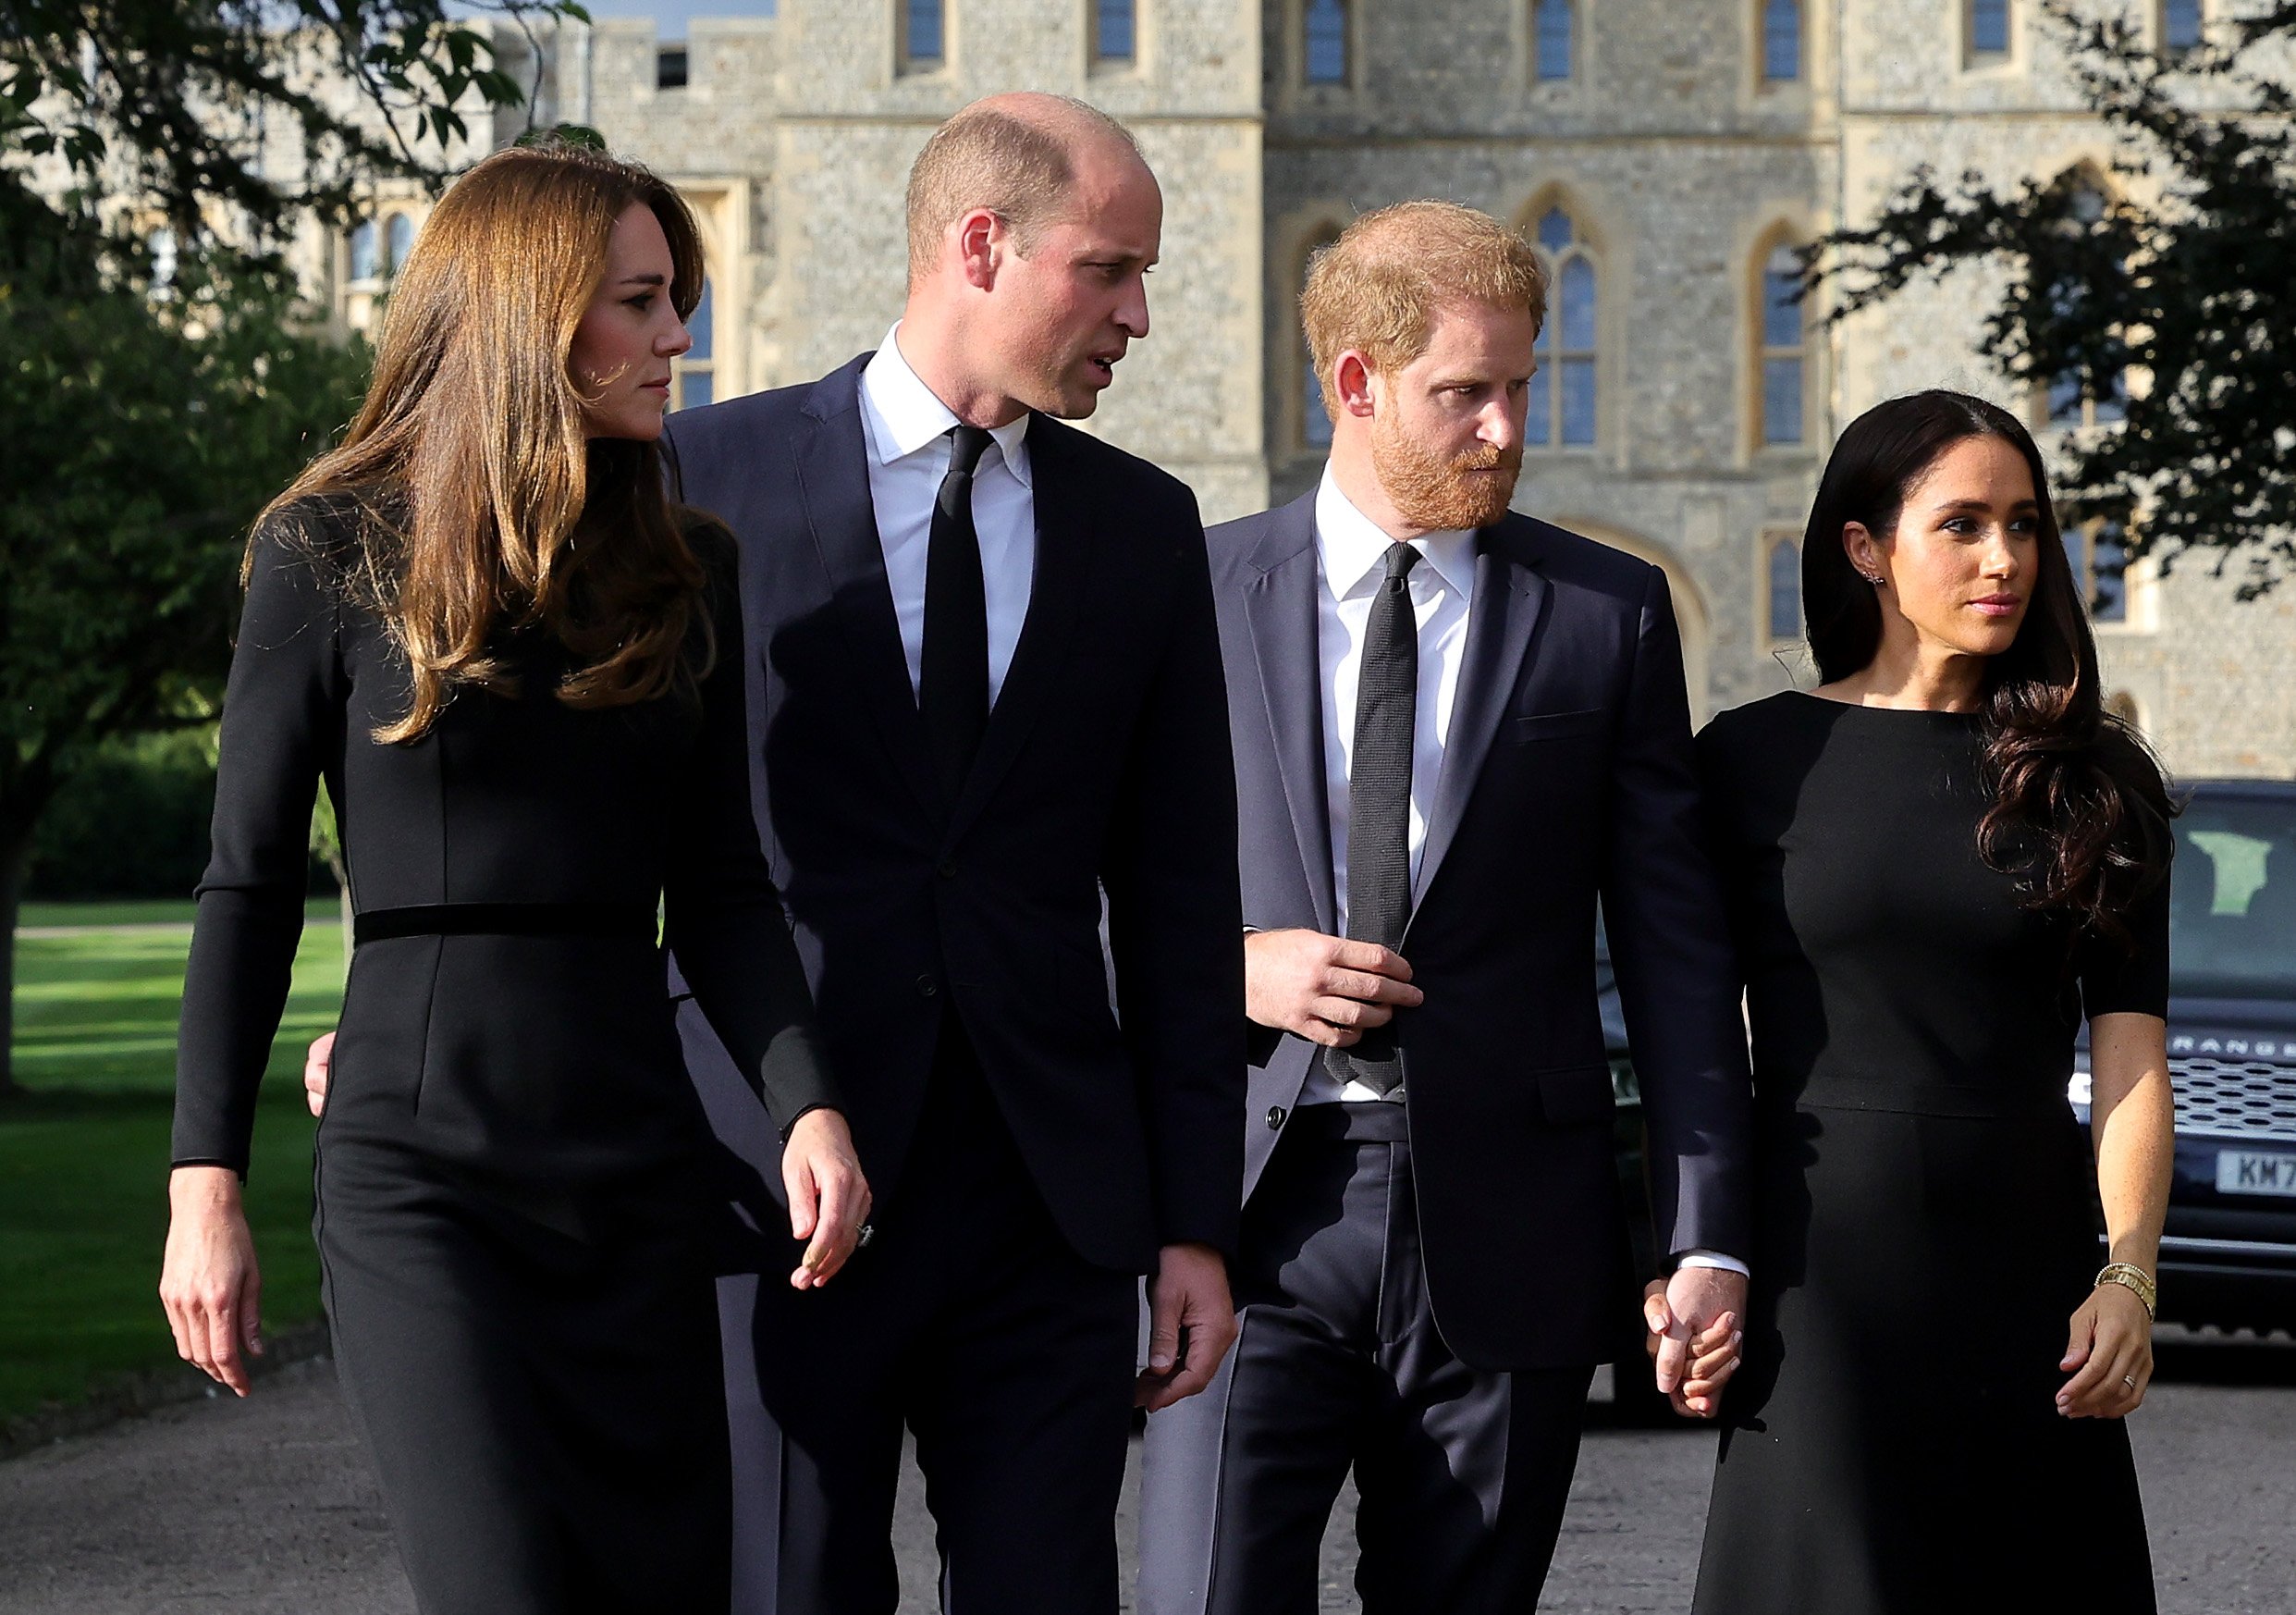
(1937,863)
(518,668)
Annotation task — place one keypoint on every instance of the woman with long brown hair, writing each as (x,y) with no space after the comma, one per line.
(1937,864)
(517,667)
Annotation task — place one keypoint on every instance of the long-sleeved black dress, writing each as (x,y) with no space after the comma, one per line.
(1923,1217)
(515,1182)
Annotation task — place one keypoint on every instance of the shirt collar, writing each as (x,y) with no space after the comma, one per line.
(903,416)
(1353,549)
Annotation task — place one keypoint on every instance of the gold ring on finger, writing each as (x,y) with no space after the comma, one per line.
(2130,1380)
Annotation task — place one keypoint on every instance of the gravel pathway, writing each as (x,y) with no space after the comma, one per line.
(266,1508)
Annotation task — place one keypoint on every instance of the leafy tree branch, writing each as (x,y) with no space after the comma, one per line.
(2157,303)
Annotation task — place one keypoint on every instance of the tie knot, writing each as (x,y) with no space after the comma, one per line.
(1401,558)
(971,443)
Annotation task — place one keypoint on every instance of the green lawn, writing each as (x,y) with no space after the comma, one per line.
(83,1153)
(141,911)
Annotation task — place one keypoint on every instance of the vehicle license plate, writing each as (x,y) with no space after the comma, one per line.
(2252,1172)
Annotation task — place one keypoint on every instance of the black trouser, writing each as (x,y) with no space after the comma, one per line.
(544,1405)
(1463,1475)
(970,1320)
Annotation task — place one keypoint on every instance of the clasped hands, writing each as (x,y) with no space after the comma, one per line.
(1696,1324)
(828,1195)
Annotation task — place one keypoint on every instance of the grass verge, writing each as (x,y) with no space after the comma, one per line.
(83,1153)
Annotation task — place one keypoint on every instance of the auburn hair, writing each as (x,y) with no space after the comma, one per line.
(2080,813)
(484,504)
(1378,288)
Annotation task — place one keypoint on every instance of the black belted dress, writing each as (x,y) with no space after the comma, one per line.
(517,1195)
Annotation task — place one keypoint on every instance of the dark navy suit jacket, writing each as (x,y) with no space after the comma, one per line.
(1566,776)
(1105,768)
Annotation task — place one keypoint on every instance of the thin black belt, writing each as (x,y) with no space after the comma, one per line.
(606,920)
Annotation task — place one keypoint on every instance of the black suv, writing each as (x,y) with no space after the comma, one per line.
(2229,1256)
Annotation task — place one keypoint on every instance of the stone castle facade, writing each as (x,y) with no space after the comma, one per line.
(1661,152)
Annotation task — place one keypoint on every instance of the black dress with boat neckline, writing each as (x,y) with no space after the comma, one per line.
(1924,1219)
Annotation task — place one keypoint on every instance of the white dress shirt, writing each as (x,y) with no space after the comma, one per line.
(1351,557)
(908,429)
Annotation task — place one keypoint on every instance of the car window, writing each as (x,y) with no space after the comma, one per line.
(2232,904)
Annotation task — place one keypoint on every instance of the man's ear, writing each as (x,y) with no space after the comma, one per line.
(982,242)
(1355,387)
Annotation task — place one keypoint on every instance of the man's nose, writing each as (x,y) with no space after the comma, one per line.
(1132,314)
(1501,426)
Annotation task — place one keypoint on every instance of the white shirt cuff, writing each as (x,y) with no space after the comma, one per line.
(1713,1258)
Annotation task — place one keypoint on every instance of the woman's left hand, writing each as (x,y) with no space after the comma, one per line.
(2112,1348)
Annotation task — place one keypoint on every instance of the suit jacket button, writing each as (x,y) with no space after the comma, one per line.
(926,986)
(948,870)
(1276,1114)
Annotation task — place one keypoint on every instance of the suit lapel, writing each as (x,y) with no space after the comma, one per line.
(1510,598)
(1057,593)
(1280,604)
(833,481)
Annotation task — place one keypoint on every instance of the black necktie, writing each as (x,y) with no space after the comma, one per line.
(1379,800)
(952,688)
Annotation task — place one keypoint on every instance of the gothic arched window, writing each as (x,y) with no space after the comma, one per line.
(363,261)
(1112,34)
(1784,340)
(1555,29)
(923,42)
(2180,25)
(1781,41)
(1325,25)
(1782,588)
(1562,395)
(1988,27)
(2079,397)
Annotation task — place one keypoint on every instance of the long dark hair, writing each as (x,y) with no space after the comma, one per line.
(2079,812)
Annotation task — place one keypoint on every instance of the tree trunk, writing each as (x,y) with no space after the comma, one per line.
(14,866)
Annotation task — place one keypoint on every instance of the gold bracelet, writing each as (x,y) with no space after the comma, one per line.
(2132,1277)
